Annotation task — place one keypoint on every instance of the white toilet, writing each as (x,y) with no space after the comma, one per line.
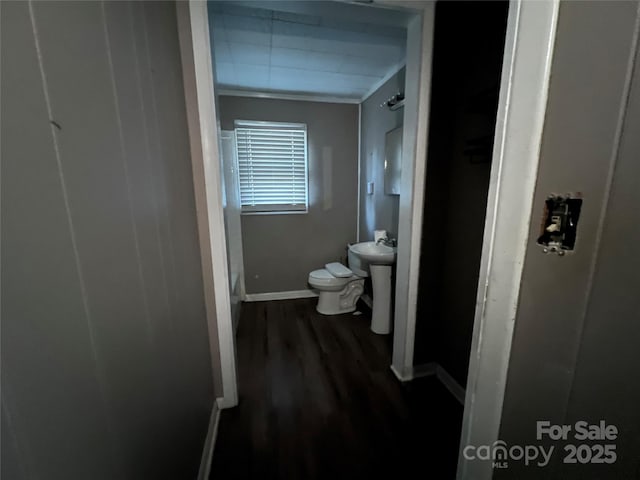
(339,288)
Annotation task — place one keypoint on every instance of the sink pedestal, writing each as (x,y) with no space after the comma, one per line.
(379,259)
(381,311)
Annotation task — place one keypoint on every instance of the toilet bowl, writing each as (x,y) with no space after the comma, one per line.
(338,287)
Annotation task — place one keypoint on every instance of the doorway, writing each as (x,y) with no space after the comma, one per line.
(418,26)
(467,65)
(530,29)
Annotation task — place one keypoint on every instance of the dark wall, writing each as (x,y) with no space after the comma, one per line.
(280,250)
(574,354)
(106,372)
(467,65)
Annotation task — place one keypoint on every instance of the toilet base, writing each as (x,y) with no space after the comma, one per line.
(330,311)
(344,301)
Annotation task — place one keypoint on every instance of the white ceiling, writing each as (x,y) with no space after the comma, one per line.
(319,48)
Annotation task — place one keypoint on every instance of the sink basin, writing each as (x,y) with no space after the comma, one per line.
(374,254)
(378,260)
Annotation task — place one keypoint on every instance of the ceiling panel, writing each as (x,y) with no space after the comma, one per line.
(247,29)
(365,65)
(225,73)
(306,60)
(281,49)
(222,52)
(250,54)
(251,76)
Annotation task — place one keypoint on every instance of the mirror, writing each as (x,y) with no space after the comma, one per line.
(392,161)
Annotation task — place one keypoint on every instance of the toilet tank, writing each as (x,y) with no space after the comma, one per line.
(356,265)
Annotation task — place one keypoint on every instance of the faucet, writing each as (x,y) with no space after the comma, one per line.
(389,242)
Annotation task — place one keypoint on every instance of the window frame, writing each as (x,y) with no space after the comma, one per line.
(273,209)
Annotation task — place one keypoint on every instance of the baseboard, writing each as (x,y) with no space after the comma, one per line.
(424,370)
(431,368)
(413,372)
(451,384)
(209,442)
(402,376)
(290,295)
(223,403)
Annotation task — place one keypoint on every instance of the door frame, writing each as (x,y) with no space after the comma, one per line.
(204,127)
(417,108)
(193,27)
(529,43)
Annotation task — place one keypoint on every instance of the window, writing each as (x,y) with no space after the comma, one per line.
(272,166)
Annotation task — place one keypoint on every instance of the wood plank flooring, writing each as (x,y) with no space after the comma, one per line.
(318,401)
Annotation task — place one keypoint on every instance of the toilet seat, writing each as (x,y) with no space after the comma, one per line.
(324,277)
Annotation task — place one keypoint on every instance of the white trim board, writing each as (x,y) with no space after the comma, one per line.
(299,97)
(415,371)
(429,369)
(528,52)
(424,370)
(402,376)
(290,295)
(450,384)
(209,442)
(358,206)
(195,51)
(414,156)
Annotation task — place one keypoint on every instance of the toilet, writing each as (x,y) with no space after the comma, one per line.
(339,288)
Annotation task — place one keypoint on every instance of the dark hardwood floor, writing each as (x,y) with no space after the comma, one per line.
(318,401)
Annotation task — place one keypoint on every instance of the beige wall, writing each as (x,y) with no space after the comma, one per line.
(280,250)
(105,361)
(575,347)
(378,211)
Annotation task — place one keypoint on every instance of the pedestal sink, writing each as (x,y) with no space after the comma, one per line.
(377,259)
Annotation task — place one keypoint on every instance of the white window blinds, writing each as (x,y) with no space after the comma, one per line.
(272,166)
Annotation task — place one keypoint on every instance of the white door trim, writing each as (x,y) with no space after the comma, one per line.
(414,162)
(193,26)
(530,37)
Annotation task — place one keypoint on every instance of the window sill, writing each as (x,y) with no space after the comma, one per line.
(283,212)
